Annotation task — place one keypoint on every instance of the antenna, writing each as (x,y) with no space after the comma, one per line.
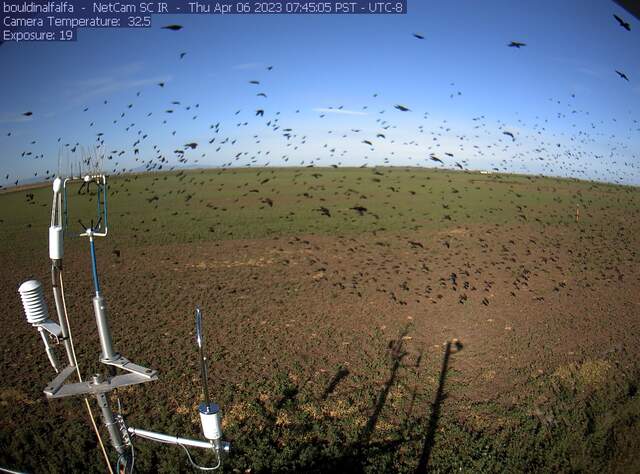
(203,357)
(209,412)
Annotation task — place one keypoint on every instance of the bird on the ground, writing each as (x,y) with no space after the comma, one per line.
(359,209)
(324,211)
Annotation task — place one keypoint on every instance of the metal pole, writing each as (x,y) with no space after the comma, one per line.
(170,439)
(60,309)
(104,333)
(203,359)
(94,266)
(109,420)
(99,308)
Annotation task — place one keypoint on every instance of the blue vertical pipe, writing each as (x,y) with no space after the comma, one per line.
(94,266)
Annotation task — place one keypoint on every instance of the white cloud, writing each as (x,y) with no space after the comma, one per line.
(13,118)
(245,66)
(115,80)
(338,111)
(86,90)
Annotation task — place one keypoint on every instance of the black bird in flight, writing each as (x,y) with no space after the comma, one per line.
(182,55)
(622,75)
(435,158)
(172,27)
(161,84)
(416,35)
(516,44)
(254,82)
(623,23)
(28,114)
(510,135)
(260,113)
(402,108)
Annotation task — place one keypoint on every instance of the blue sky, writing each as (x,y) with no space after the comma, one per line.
(568,110)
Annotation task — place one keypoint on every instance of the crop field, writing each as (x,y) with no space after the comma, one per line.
(357,320)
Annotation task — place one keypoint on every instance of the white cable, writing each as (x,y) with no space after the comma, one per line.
(75,362)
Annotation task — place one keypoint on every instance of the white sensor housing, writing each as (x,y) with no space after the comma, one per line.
(57,185)
(210,419)
(35,307)
(56,246)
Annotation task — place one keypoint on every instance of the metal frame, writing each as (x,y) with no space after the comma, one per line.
(100,385)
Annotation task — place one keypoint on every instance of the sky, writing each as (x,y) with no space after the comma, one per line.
(570,114)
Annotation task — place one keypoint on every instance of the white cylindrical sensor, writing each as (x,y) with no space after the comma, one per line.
(35,307)
(57,185)
(210,419)
(56,246)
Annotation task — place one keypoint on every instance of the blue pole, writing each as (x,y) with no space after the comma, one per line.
(94,267)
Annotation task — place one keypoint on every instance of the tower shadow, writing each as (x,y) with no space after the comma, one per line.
(397,353)
(451,347)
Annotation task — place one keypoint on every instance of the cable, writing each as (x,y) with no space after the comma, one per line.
(124,428)
(202,468)
(75,362)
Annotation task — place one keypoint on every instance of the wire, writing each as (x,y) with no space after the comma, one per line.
(75,362)
(125,428)
(202,468)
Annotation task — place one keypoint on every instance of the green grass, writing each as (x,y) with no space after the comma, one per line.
(583,418)
(205,205)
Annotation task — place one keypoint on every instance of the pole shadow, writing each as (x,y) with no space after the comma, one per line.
(451,347)
(337,378)
(397,353)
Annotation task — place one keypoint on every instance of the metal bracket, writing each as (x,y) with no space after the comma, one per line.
(125,364)
(72,389)
(60,379)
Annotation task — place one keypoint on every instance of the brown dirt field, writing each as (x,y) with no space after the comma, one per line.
(344,318)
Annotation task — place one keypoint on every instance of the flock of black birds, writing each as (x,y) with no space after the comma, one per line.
(553,152)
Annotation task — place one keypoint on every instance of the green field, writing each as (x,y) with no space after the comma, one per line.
(208,205)
(329,329)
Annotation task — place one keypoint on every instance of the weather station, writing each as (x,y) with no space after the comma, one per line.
(118,371)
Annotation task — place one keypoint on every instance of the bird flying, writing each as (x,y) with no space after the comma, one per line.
(623,23)
(622,75)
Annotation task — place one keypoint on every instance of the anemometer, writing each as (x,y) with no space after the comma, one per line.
(119,370)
